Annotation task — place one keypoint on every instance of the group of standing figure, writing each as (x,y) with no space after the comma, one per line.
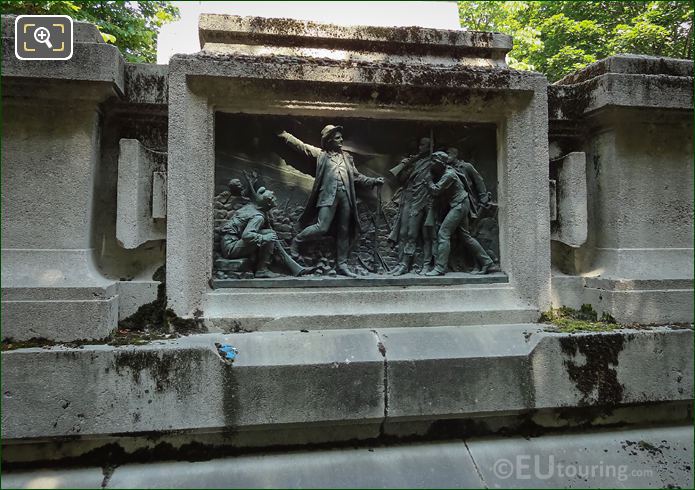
(440,195)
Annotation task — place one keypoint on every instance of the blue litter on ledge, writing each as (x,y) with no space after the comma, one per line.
(230,352)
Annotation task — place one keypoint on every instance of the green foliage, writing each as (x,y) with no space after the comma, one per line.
(559,37)
(569,320)
(131,26)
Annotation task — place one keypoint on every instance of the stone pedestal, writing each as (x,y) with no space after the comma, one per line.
(635,115)
(51,286)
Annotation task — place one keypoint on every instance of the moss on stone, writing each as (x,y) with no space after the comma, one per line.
(569,320)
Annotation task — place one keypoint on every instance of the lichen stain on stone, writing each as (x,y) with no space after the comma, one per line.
(163,367)
(145,86)
(230,398)
(596,379)
(159,365)
(280,66)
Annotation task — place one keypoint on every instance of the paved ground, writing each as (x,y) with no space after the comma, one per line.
(655,457)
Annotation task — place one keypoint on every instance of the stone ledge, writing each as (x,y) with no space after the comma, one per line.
(90,62)
(83,32)
(288,68)
(232,309)
(645,301)
(278,378)
(667,92)
(230,29)
(632,64)
(357,378)
(639,457)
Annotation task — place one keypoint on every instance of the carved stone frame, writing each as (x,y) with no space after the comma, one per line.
(516,102)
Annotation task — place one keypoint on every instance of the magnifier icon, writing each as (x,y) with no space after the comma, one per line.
(43,35)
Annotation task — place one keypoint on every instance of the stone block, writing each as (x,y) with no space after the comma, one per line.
(97,63)
(57,295)
(146,84)
(296,37)
(364,307)
(277,380)
(449,372)
(443,372)
(572,215)
(135,223)
(133,294)
(159,195)
(59,320)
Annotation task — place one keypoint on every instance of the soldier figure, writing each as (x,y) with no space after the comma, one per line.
(415,204)
(479,197)
(451,190)
(247,235)
(332,197)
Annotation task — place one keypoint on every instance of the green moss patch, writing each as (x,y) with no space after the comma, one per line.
(569,320)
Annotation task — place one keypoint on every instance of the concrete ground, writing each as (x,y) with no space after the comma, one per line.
(654,457)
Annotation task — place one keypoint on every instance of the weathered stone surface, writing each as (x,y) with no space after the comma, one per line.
(146,84)
(277,379)
(639,147)
(368,307)
(133,294)
(651,457)
(135,223)
(658,301)
(409,43)
(571,226)
(90,62)
(631,64)
(345,378)
(439,465)
(47,200)
(642,457)
(521,367)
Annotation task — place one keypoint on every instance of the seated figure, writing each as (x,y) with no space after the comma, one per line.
(248,235)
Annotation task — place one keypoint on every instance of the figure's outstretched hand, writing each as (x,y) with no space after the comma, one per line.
(379,181)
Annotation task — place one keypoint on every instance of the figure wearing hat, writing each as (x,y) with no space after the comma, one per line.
(332,200)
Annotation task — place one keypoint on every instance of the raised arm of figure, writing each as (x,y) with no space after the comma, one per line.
(299,145)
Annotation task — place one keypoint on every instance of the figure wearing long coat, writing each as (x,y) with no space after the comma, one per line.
(333,170)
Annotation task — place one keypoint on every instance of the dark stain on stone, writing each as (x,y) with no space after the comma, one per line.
(159,365)
(413,41)
(597,376)
(231,395)
(146,83)
(157,318)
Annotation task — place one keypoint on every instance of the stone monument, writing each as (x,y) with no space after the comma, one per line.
(307,235)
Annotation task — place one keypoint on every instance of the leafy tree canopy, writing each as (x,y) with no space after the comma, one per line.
(132,26)
(559,37)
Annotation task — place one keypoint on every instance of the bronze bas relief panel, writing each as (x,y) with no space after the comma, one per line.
(301,198)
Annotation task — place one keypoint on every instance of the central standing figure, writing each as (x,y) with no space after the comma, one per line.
(333,196)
